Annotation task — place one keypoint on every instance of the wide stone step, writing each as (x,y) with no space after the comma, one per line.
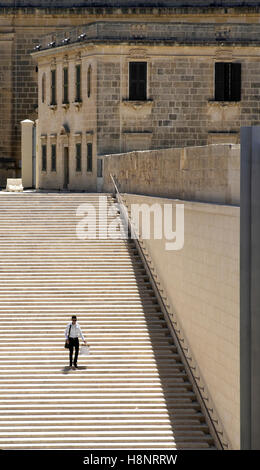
(92,337)
(106,435)
(145,293)
(90,285)
(87,321)
(76,386)
(104,446)
(133,370)
(190,410)
(54,426)
(128,444)
(49,381)
(95,431)
(189,418)
(117,362)
(107,390)
(11,348)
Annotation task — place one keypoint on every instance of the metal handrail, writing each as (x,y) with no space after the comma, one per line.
(170,322)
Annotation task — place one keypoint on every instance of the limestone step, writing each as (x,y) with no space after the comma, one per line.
(92,426)
(105,404)
(15,380)
(103,446)
(48,412)
(92,368)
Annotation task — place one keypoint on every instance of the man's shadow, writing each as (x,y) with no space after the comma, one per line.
(68,369)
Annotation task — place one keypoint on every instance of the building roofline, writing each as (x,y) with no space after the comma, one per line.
(61,4)
(130,32)
(148,42)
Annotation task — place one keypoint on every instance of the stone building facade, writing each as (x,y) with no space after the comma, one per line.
(197,86)
(226,30)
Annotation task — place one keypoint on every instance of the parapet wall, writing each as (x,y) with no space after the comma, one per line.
(210,173)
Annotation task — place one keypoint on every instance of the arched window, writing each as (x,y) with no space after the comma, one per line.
(89,81)
(43,87)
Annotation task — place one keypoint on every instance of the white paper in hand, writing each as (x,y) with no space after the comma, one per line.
(84,351)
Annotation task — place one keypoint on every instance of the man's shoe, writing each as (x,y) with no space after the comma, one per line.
(75,365)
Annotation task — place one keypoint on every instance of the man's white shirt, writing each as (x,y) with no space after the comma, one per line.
(75,331)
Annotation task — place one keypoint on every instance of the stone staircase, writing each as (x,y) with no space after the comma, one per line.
(132,392)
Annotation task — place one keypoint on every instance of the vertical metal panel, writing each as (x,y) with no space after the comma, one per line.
(250,288)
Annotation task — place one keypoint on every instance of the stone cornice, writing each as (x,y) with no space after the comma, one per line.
(235,9)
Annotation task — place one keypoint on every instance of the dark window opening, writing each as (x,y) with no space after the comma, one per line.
(53,87)
(53,158)
(65,86)
(137,81)
(43,87)
(89,81)
(78,157)
(89,157)
(44,158)
(227,81)
(78,83)
(99,168)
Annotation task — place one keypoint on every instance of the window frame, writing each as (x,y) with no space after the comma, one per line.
(43,87)
(100,168)
(136,83)
(53,157)
(44,157)
(65,86)
(89,157)
(78,157)
(53,87)
(89,81)
(78,83)
(227,81)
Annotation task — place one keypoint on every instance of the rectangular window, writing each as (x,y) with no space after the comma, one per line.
(78,83)
(65,85)
(78,157)
(53,87)
(89,157)
(44,158)
(227,81)
(137,81)
(99,167)
(53,158)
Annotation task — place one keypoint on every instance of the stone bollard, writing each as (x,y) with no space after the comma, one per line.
(14,184)
(27,153)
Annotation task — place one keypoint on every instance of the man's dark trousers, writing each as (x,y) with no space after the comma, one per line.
(74,343)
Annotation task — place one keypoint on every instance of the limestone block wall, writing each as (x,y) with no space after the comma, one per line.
(6,94)
(108,99)
(4,174)
(24,84)
(178,119)
(207,173)
(201,282)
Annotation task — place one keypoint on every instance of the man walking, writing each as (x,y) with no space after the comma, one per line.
(72,334)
